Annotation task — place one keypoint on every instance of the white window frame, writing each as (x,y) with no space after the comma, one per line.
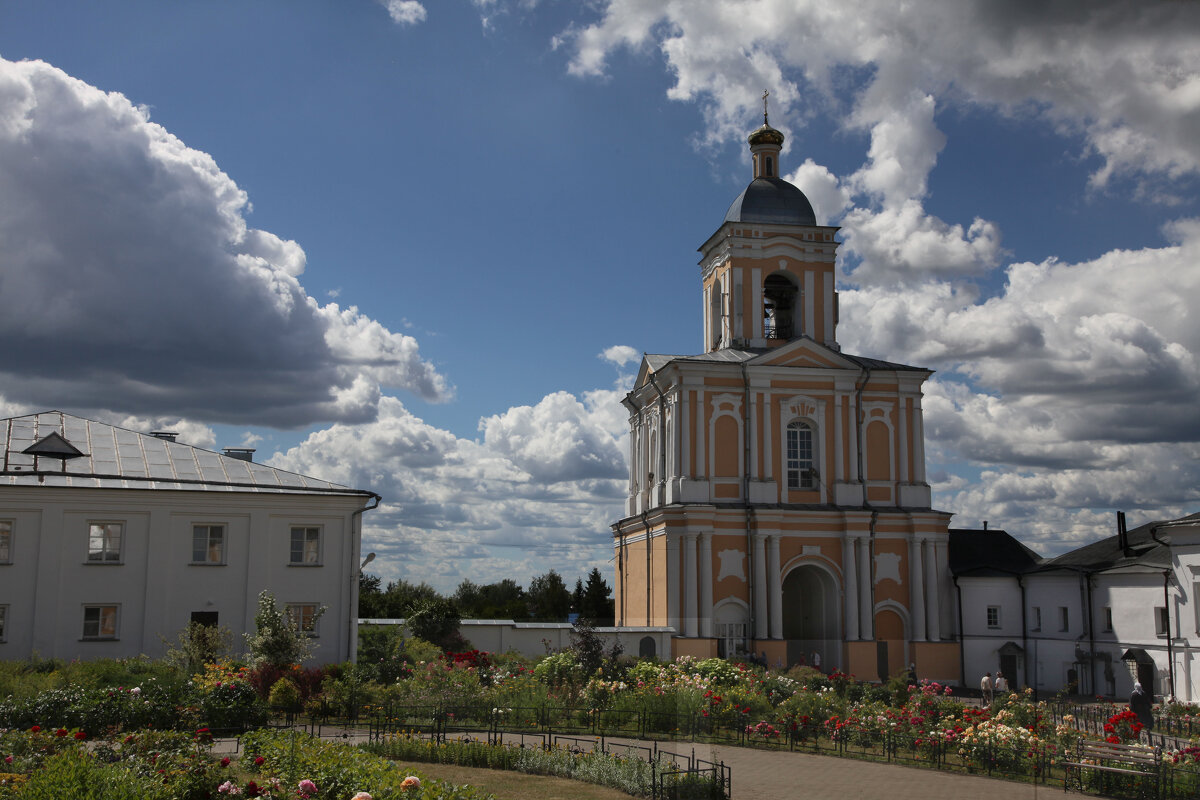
(3,623)
(303,552)
(106,554)
(305,618)
(800,471)
(6,541)
(993,617)
(1162,622)
(209,528)
(100,635)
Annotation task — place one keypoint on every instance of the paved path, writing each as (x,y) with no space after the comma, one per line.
(761,774)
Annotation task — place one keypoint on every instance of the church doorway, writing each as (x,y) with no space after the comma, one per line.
(890,634)
(811,617)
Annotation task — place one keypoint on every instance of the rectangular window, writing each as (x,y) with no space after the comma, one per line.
(304,616)
(306,546)
(208,544)
(5,541)
(100,622)
(104,542)
(1162,623)
(1064,619)
(1108,619)
(3,622)
(993,616)
(800,472)
(1037,618)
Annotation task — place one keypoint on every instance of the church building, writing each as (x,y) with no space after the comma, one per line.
(777,504)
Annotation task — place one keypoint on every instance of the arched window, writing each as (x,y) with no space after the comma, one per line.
(801,456)
(717,315)
(779,307)
(769,172)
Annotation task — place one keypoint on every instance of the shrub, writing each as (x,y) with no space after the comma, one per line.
(277,640)
(285,694)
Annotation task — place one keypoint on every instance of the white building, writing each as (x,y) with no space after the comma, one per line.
(113,540)
(1090,621)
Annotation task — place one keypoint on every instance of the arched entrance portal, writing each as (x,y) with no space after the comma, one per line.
(812,617)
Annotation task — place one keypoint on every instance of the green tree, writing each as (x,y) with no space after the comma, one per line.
(436,621)
(549,599)
(370,597)
(277,639)
(594,603)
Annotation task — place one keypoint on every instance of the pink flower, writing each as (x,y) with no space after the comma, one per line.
(8,759)
(411,782)
(306,787)
(361,796)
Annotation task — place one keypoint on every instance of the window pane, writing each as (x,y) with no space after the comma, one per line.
(306,545)
(5,542)
(3,620)
(104,541)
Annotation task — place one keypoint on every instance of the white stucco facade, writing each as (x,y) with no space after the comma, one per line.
(1094,620)
(97,560)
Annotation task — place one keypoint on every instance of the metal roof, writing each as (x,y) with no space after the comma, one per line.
(118,458)
(728,355)
(771,200)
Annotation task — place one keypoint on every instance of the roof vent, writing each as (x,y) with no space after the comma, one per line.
(166,436)
(240,453)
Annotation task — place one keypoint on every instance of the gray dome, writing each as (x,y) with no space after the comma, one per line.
(772,200)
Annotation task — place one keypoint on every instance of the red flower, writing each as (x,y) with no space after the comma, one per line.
(35,729)
(61,732)
(80,735)
(225,761)
(258,761)
(252,788)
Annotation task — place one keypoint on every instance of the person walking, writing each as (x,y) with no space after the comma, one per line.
(1001,683)
(1141,703)
(985,685)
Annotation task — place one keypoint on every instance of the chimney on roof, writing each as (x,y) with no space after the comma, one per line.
(240,453)
(1122,534)
(166,436)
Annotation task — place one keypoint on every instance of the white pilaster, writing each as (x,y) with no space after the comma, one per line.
(850,572)
(673,573)
(760,587)
(916,589)
(932,558)
(753,440)
(838,456)
(853,451)
(706,585)
(902,416)
(865,627)
(768,466)
(918,442)
(689,585)
(756,303)
(810,328)
(774,588)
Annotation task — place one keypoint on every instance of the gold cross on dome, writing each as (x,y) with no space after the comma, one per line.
(765,94)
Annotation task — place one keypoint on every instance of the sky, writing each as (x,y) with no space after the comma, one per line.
(420,247)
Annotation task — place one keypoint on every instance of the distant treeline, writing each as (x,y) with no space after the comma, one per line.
(546,600)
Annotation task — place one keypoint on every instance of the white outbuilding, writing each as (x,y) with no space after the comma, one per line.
(112,541)
(1088,622)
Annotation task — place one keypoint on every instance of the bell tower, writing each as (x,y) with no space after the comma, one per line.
(777,503)
(768,271)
